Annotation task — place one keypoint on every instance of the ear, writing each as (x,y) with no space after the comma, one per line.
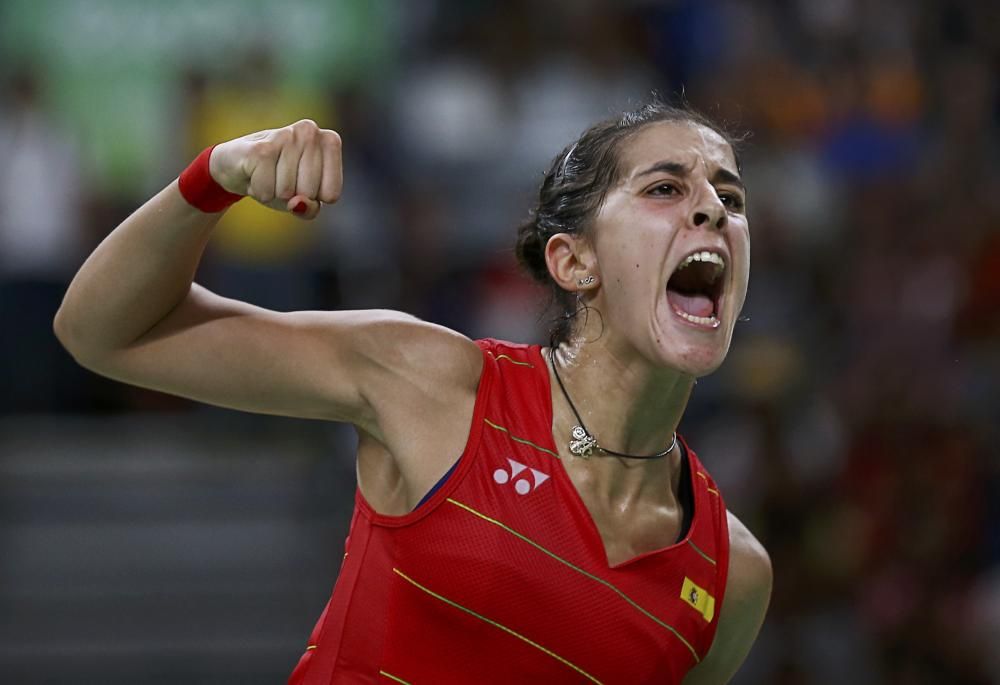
(572,262)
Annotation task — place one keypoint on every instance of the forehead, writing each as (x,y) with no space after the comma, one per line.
(690,144)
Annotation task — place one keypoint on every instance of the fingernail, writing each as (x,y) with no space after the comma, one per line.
(300,208)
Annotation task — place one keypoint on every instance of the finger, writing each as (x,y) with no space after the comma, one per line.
(287,170)
(303,207)
(261,186)
(310,171)
(333,170)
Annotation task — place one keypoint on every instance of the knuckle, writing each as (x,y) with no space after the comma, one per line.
(332,139)
(282,137)
(266,149)
(305,129)
(258,135)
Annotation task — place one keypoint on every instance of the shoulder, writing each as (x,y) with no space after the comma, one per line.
(398,341)
(394,359)
(749,562)
(748,593)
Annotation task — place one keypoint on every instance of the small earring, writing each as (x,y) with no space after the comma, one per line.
(589,280)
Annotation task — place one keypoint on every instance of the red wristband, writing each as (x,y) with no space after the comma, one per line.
(199,188)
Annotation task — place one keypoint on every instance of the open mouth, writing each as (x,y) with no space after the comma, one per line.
(694,289)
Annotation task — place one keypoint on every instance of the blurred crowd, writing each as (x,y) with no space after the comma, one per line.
(854,426)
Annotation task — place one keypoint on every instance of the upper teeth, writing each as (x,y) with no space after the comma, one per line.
(704,256)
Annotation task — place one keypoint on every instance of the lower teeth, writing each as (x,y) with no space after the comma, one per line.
(703,320)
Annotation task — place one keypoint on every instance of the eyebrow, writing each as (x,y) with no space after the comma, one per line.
(721,175)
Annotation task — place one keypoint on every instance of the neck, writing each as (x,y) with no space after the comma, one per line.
(626,403)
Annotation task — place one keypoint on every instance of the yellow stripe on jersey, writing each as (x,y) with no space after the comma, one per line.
(498,625)
(393,678)
(705,478)
(579,570)
(520,440)
(703,555)
(698,598)
(498,357)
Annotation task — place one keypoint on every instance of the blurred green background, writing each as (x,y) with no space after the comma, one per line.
(144,539)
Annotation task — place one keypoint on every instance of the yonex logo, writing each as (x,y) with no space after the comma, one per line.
(524,484)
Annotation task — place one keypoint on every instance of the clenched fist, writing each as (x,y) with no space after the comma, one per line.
(294,168)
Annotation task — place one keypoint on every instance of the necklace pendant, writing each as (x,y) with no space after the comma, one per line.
(583,444)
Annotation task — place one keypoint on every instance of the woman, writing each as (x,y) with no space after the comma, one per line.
(523,514)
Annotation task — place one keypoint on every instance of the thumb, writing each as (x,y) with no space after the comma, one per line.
(303,207)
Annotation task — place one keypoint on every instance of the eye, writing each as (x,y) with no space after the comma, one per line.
(665,189)
(733,201)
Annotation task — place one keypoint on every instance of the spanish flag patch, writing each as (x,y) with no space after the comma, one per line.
(698,598)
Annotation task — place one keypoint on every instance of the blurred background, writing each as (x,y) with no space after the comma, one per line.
(145,539)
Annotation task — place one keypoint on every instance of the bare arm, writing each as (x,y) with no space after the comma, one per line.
(748,592)
(133,312)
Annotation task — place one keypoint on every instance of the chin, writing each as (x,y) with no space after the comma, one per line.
(695,349)
(692,359)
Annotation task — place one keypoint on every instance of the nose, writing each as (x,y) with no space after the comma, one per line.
(709,212)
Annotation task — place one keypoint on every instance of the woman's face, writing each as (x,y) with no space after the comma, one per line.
(672,248)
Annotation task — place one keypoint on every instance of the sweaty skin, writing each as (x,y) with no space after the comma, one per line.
(633,363)
(133,313)
(631,366)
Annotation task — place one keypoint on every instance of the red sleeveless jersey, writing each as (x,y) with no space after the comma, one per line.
(501,577)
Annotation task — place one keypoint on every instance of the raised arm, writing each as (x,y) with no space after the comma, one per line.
(134,314)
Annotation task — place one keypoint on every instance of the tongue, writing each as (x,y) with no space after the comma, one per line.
(695,305)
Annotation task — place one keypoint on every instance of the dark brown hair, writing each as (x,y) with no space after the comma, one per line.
(575,186)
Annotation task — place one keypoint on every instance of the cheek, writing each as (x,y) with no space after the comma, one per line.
(742,248)
(620,279)
(620,266)
(630,261)
(631,275)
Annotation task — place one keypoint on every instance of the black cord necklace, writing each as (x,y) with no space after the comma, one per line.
(583,444)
